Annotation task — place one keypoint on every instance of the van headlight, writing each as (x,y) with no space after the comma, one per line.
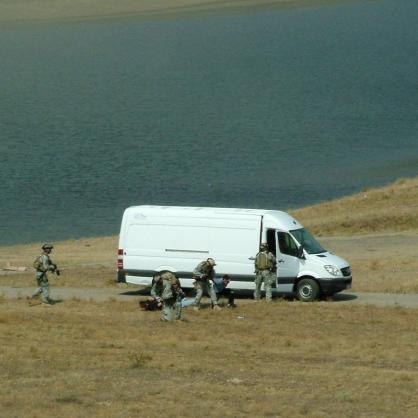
(335,271)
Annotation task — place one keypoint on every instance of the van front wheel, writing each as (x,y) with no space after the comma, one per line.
(307,290)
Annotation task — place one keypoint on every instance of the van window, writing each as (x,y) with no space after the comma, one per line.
(287,244)
(309,243)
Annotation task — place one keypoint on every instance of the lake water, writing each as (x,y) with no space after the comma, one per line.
(277,109)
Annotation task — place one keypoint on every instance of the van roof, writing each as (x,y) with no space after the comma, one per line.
(280,218)
(198,211)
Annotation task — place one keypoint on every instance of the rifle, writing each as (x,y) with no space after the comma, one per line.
(56,270)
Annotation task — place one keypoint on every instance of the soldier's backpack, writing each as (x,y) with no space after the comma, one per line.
(37,264)
(262,261)
(170,277)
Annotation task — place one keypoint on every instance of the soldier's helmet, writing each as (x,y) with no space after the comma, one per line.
(211,262)
(156,277)
(47,246)
(264,246)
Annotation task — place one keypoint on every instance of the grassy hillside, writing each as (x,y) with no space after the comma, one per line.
(392,208)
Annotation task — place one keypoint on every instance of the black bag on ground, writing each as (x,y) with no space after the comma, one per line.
(149,305)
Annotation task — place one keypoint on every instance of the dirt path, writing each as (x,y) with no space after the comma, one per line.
(126,295)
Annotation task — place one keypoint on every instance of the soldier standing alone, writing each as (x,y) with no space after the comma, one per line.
(43,264)
(265,268)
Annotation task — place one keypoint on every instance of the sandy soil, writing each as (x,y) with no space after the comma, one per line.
(380,262)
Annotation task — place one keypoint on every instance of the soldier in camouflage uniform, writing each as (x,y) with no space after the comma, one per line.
(157,288)
(166,288)
(203,275)
(43,264)
(265,268)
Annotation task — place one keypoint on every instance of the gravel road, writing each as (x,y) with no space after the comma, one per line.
(99,295)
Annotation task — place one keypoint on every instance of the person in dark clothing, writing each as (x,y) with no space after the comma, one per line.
(220,286)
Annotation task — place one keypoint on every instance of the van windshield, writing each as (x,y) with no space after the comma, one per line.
(308,242)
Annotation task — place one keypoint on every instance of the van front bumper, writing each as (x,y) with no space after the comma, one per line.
(331,286)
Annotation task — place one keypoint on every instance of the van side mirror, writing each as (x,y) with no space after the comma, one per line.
(300,252)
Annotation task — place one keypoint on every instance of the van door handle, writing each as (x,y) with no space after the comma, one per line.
(281,261)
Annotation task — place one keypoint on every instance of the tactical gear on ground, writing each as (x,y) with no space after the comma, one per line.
(150,305)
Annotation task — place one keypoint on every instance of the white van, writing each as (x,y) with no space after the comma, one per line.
(157,238)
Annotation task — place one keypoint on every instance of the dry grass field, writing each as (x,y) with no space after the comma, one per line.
(259,360)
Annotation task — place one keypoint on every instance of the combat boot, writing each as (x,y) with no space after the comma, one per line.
(33,300)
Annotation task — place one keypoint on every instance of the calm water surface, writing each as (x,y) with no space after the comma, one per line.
(277,109)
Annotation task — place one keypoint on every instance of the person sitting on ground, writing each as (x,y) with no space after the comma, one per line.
(220,286)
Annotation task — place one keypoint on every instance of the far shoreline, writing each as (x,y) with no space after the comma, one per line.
(389,210)
(48,11)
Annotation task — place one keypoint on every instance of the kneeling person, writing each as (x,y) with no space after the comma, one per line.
(220,286)
(166,288)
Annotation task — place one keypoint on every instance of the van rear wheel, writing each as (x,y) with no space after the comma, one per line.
(307,290)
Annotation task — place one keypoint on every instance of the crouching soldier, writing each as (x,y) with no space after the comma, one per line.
(203,275)
(43,264)
(166,288)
